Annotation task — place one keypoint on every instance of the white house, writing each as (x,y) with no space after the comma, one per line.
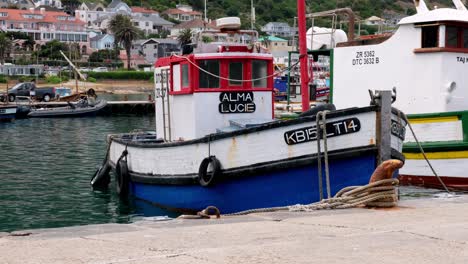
(102,41)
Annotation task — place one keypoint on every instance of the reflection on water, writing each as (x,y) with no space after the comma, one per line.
(46,168)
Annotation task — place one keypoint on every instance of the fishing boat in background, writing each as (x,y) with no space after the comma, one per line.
(84,107)
(218,144)
(426,60)
(7,112)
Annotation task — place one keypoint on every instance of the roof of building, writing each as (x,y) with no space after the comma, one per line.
(375,18)
(440,14)
(173,11)
(196,23)
(278,23)
(46,16)
(48,8)
(138,9)
(154,18)
(115,3)
(100,36)
(158,40)
(272,38)
(90,5)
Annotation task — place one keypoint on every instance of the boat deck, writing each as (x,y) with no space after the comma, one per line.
(427,230)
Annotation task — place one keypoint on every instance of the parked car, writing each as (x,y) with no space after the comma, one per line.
(84,69)
(22,89)
(100,69)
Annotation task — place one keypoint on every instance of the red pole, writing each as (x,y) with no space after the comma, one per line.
(301,21)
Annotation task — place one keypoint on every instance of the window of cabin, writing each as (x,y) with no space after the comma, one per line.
(465,38)
(452,37)
(185,75)
(236,71)
(430,37)
(260,72)
(208,80)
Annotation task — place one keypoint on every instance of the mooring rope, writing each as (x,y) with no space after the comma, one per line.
(377,194)
(322,127)
(424,154)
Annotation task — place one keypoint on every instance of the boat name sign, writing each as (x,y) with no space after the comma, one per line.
(236,102)
(398,130)
(335,128)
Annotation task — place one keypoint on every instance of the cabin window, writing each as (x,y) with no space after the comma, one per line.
(208,80)
(185,75)
(465,38)
(430,37)
(235,73)
(259,73)
(452,37)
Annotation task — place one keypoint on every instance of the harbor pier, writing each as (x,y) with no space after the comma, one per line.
(429,230)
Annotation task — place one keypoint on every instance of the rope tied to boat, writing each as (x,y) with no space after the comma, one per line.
(424,154)
(322,127)
(382,194)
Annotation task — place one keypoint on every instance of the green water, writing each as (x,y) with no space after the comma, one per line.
(45,168)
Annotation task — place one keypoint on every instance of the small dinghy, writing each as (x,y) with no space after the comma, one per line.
(79,109)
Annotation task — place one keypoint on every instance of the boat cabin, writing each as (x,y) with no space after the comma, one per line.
(426,59)
(208,92)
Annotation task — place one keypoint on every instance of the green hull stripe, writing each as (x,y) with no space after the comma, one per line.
(436,147)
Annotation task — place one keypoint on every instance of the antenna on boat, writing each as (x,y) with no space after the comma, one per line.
(459,5)
(421,6)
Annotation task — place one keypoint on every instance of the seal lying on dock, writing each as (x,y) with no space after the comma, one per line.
(386,170)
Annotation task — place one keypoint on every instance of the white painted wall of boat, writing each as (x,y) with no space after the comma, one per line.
(208,118)
(196,115)
(421,80)
(437,131)
(443,167)
(244,150)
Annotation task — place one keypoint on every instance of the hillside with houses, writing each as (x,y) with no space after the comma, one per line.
(34,31)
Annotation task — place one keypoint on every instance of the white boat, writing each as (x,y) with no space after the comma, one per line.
(218,144)
(426,59)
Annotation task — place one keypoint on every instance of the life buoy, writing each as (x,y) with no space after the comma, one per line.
(122,177)
(101,177)
(205,177)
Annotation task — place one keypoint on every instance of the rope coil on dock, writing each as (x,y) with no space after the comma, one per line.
(381,193)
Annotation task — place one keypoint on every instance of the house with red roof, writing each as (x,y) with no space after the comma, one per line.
(44,26)
(183,13)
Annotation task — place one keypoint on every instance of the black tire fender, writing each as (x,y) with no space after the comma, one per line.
(122,177)
(11,97)
(206,178)
(101,177)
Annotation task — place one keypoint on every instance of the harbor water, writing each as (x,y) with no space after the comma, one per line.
(47,165)
(46,168)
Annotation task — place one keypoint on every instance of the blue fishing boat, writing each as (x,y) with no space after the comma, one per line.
(218,144)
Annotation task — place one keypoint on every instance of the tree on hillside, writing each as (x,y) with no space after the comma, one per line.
(5,47)
(124,32)
(51,50)
(185,36)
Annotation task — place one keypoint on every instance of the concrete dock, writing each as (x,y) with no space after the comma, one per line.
(430,230)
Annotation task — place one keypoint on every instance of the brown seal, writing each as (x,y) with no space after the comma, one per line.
(385,170)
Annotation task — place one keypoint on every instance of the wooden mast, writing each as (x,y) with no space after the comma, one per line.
(303,54)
